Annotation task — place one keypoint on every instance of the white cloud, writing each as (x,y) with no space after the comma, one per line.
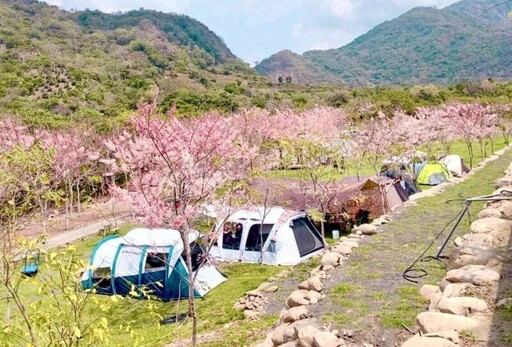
(342,7)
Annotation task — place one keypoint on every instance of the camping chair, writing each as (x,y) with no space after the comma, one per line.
(31,265)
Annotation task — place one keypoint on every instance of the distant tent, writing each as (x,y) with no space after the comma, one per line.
(150,258)
(455,164)
(271,236)
(431,173)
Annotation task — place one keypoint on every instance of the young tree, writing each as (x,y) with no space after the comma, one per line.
(175,167)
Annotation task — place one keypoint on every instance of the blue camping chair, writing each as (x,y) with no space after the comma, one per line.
(31,266)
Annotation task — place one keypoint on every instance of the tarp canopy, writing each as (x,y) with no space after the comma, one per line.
(148,259)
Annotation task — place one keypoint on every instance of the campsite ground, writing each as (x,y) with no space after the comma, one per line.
(366,296)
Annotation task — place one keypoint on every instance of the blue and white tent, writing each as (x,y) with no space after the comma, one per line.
(150,258)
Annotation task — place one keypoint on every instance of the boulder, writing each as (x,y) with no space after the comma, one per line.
(366,229)
(294,314)
(462,305)
(429,292)
(423,341)
(456,289)
(251,314)
(297,298)
(476,274)
(316,284)
(450,335)
(272,289)
(306,335)
(477,240)
(491,226)
(331,259)
(504,181)
(489,212)
(476,255)
(431,322)
(278,335)
(342,249)
(506,210)
(323,338)
(292,331)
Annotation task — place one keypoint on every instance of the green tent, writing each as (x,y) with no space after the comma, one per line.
(433,174)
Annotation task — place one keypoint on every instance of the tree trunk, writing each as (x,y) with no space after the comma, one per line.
(191,300)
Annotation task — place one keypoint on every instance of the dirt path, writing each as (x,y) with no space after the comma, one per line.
(367,296)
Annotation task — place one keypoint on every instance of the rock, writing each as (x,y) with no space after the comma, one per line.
(458,241)
(491,226)
(350,244)
(277,336)
(490,212)
(429,291)
(461,305)
(323,338)
(450,335)
(476,255)
(504,181)
(430,322)
(366,229)
(294,314)
(456,289)
(477,240)
(316,284)
(297,298)
(238,306)
(331,259)
(262,287)
(506,209)
(337,343)
(292,331)
(289,344)
(504,302)
(342,249)
(306,335)
(251,314)
(254,293)
(476,274)
(423,341)
(272,289)
(313,294)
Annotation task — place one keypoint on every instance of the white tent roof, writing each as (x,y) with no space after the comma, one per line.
(155,237)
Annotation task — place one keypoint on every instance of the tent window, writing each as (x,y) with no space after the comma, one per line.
(101,277)
(254,241)
(232,235)
(307,236)
(155,261)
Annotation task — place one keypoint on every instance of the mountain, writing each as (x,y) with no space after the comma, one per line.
(55,64)
(468,40)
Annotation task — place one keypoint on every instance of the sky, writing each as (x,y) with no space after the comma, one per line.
(256,29)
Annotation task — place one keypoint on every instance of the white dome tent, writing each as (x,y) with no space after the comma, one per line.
(150,258)
(273,236)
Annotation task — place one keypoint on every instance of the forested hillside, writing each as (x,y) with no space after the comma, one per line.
(469,40)
(96,66)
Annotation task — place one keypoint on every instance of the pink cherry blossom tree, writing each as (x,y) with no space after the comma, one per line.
(176,166)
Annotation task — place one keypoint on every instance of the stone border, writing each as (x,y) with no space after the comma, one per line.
(464,300)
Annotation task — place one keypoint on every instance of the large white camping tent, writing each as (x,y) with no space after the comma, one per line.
(149,258)
(271,236)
